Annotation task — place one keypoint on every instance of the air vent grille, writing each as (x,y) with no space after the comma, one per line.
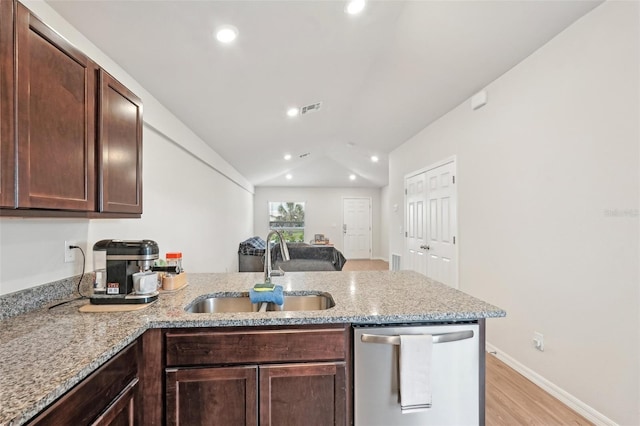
(395,262)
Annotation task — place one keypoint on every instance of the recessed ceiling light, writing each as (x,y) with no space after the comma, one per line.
(226,33)
(374,158)
(354,7)
(287,157)
(352,177)
(292,112)
(289,176)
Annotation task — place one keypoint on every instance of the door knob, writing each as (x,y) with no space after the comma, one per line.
(425,247)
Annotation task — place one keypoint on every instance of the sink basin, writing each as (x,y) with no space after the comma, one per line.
(219,304)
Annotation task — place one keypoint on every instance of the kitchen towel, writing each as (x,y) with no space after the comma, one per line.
(415,372)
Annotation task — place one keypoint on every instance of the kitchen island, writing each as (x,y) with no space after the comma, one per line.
(45,353)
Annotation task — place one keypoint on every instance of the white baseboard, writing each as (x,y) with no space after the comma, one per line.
(560,394)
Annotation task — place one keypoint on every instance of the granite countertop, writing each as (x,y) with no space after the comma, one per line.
(45,352)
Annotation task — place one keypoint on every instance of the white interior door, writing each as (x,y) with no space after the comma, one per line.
(416,238)
(441,225)
(356,228)
(431,223)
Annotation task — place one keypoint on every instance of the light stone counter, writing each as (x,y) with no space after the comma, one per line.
(44,353)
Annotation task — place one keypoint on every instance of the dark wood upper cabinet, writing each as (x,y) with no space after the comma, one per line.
(56,107)
(119,148)
(71,135)
(7,106)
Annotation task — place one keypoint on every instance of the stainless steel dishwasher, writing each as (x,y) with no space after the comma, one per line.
(457,375)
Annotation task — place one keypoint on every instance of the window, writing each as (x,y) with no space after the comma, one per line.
(288,218)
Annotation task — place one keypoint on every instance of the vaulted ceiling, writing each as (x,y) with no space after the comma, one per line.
(381,76)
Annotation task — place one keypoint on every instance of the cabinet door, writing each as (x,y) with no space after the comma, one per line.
(212,396)
(303,394)
(120,148)
(7,112)
(122,411)
(56,108)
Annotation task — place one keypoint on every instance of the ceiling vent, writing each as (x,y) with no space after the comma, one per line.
(310,108)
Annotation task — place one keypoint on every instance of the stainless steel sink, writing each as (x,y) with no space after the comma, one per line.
(219,304)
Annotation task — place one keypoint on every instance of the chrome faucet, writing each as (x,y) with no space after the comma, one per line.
(283,249)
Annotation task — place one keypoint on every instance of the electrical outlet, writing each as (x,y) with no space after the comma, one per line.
(69,253)
(538,341)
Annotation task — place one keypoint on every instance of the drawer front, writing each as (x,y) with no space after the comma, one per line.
(87,400)
(246,346)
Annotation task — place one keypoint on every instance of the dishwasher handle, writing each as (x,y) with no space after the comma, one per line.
(437,338)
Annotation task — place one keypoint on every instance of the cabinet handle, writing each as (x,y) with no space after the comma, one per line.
(437,338)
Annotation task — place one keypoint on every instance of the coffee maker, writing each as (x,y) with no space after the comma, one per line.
(115,263)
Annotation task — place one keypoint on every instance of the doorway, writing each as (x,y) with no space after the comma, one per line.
(431,222)
(356,228)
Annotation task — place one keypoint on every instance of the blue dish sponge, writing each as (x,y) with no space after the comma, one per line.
(276,296)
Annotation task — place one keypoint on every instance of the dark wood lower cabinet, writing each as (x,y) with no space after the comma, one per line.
(245,376)
(289,394)
(151,374)
(123,410)
(106,397)
(271,376)
(212,396)
(303,394)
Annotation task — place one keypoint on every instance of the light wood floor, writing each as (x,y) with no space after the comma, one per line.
(366,265)
(512,399)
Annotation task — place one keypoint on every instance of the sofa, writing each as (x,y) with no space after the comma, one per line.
(303,257)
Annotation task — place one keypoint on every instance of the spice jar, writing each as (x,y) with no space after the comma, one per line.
(175,259)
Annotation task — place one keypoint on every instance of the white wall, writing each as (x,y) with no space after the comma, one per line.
(548,187)
(201,207)
(386,210)
(323,212)
(187,207)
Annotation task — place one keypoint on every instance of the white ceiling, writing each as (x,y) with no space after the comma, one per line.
(381,76)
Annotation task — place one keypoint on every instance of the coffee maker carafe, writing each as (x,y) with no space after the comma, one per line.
(116,264)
